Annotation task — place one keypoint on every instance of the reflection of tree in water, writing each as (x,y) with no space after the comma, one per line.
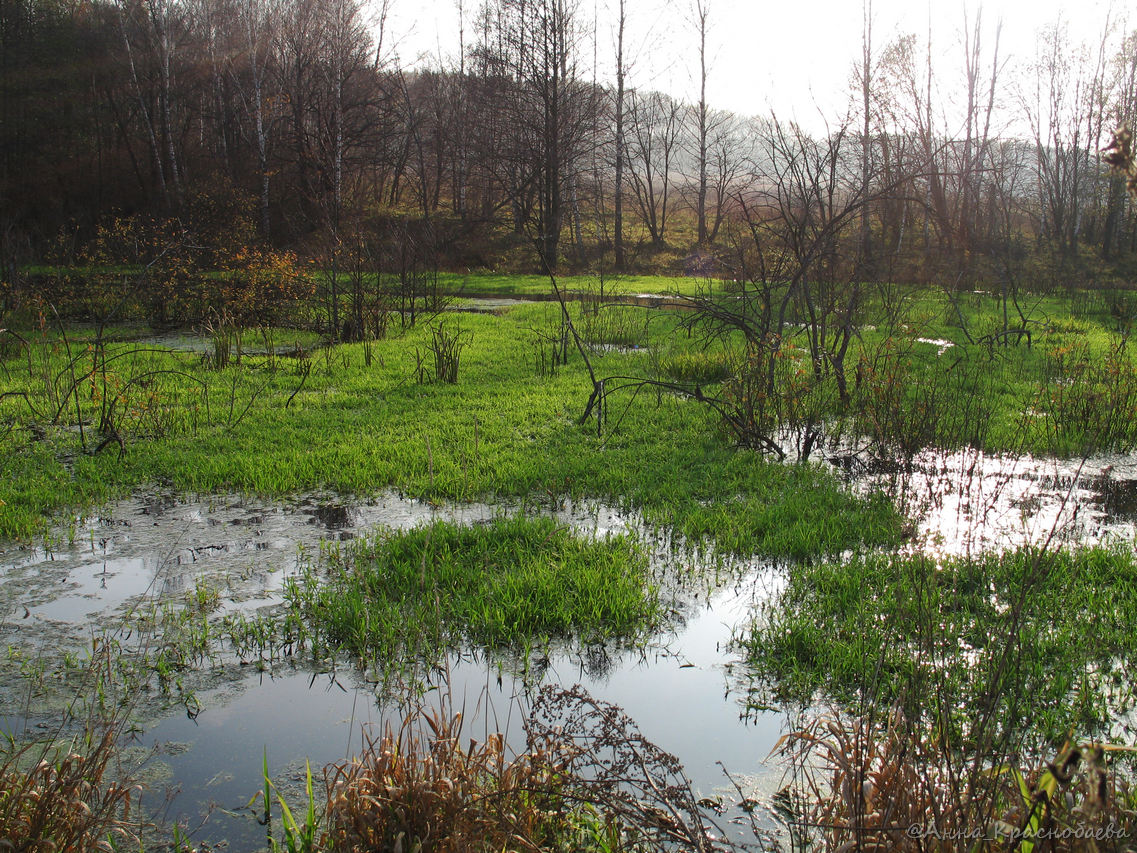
(332,516)
(596,661)
(967,501)
(1116,497)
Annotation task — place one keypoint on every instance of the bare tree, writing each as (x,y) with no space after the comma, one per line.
(550,113)
(700,14)
(725,160)
(620,142)
(866,81)
(972,162)
(1123,115)
(149,32)
(259,98)
(656,125)
(1054,105)
(799,284)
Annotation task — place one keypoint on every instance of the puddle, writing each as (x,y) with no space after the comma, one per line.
(487,304)
(676,699)
(968,501)
(942,345)
(157,545)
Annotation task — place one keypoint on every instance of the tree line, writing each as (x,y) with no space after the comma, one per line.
(291,122)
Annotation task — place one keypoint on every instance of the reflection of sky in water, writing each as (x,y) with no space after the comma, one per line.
(97,586)
(676,692)
(161,546)
(968,501)
(676,697)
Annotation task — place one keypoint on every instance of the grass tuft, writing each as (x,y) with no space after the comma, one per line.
(507,583)
(1026,644)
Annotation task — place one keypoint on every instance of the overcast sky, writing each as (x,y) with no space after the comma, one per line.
(792,57)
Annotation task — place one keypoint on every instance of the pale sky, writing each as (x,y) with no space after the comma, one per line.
(791,57)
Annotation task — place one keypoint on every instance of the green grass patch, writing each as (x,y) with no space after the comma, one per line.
(520,285)
(702,367)
(339,421)
(509,583)
(1027,640)
(925,369)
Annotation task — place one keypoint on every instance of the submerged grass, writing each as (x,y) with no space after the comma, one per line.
(1009,647)
(339,420)
(508,583)
(521,285)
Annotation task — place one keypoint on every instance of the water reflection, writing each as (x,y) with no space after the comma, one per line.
(161,546)
(675,695)
(969,501)
(155,546)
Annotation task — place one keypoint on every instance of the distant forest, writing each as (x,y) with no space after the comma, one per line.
(285,124)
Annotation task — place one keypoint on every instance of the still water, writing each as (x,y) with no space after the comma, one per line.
(96,573)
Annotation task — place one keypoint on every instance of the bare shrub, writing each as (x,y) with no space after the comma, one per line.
(588,780)
(608,762)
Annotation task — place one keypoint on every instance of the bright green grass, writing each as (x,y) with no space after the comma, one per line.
(495,284)
(1070,389)
(501,431)
(492,284)
(504,584)
(1041,639)
(922,377)
(505,431)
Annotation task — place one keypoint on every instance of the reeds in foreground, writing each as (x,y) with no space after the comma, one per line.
(65,793)
(873,785)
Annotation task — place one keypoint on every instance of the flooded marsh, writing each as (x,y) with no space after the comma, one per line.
(233,557)
(340,543)
(157,549)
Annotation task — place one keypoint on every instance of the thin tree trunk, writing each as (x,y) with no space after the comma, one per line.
(619,200)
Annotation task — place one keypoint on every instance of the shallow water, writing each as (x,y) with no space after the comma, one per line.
(162,547)
(968,501)
(676,698)
(157,546)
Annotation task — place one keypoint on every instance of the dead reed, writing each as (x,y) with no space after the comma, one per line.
(65,793)
(419,787)
(864,784)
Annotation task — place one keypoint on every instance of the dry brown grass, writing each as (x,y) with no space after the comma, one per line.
(418,787)
(587,781)
(66,791)
(54,800)
(867,786)
(610,764)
